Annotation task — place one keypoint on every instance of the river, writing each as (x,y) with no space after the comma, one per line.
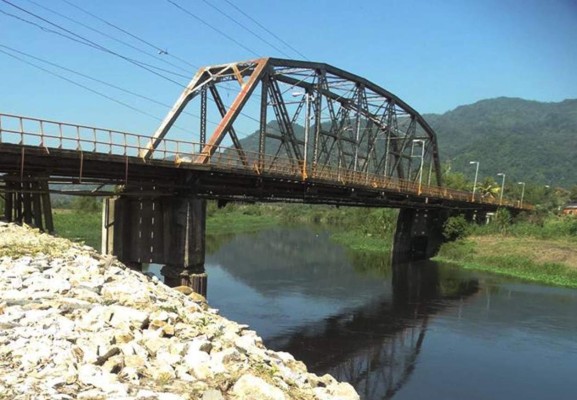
(438,332)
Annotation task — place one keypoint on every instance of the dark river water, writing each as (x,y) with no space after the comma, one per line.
(426,331)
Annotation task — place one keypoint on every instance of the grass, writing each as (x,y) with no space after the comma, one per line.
(549,261)
(85,226)
(362,242)
(79,226)
(238,222)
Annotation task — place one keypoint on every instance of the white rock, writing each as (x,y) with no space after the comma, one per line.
(250,387)
(194,357)
(122,292)
(95,319)
(169,396)
(212,394)
(345,391)
(125,315)
(92,375)
(245,344)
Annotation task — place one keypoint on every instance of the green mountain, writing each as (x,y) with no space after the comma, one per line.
(529,141)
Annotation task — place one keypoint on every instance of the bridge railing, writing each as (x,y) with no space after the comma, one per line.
(47,135)
(227,158)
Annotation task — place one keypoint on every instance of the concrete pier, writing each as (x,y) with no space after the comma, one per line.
(165,230)
(419,234)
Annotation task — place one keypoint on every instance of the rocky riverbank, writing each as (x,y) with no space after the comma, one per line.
(77,325)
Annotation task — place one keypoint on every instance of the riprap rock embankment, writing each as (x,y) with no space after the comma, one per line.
(74,324)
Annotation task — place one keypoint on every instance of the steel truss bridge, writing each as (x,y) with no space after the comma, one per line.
(322,135)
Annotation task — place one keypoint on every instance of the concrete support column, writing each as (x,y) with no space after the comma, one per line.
(194,278)
(168,231)
(419,234)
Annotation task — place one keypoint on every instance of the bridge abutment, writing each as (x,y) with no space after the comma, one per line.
(166,230)
(419,234)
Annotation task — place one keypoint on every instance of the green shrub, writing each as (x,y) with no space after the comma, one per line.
(455,228)
(502,220)
(87,204)
(458,250)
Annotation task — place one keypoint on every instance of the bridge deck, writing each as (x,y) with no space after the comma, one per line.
(82,154)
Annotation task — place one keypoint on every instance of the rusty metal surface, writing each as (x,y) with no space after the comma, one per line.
(93,154)
(355,124)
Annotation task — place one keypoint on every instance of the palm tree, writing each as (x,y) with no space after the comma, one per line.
(488,188)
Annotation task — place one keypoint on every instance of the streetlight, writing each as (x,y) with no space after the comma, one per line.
(307,122)
(476,175)
(522,193)
(502,187)
(422,159)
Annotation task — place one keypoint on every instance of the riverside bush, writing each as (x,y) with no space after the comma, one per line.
(455,228)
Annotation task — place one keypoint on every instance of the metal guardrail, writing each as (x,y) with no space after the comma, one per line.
(46,134)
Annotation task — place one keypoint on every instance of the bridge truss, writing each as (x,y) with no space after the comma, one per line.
(260,130)
(312,118)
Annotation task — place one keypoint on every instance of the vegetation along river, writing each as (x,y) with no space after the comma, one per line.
(438,332)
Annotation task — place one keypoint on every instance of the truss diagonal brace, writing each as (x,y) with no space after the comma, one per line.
(188,94)
(233,112)
(231,131)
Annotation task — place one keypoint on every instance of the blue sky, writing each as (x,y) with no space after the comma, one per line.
(435,55)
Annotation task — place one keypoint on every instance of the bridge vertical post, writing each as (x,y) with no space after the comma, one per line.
(419,234)
(36,205)
(9,202)
(27,200)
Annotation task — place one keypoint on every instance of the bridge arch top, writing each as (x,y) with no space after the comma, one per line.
(348,120)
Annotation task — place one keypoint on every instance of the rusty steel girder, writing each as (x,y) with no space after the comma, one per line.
(309,115)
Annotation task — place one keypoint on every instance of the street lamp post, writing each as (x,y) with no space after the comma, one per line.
(522,193)
(502,187)
(422,160)
(476,176)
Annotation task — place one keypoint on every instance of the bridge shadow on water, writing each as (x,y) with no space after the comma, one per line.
(373,339)
(375,347)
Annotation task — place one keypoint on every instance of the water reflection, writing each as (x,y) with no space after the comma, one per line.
(352,316)
(279,261)
(375,347)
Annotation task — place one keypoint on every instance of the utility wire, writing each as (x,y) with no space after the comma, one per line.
(45,29)
(245,27)
(265,29)
(160,50)
(82,86)
(91,43)
(80,39)
(109,36)
(146,42)
(76,40)
(99,81)
(184,10)
(224,85)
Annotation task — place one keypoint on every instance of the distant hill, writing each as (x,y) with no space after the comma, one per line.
(528,140)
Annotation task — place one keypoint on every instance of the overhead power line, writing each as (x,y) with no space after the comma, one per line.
(197,18)
(265,29)
(140,39)
(81,85)
(87,42)
(110,37)
(141,96)
(245,27)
